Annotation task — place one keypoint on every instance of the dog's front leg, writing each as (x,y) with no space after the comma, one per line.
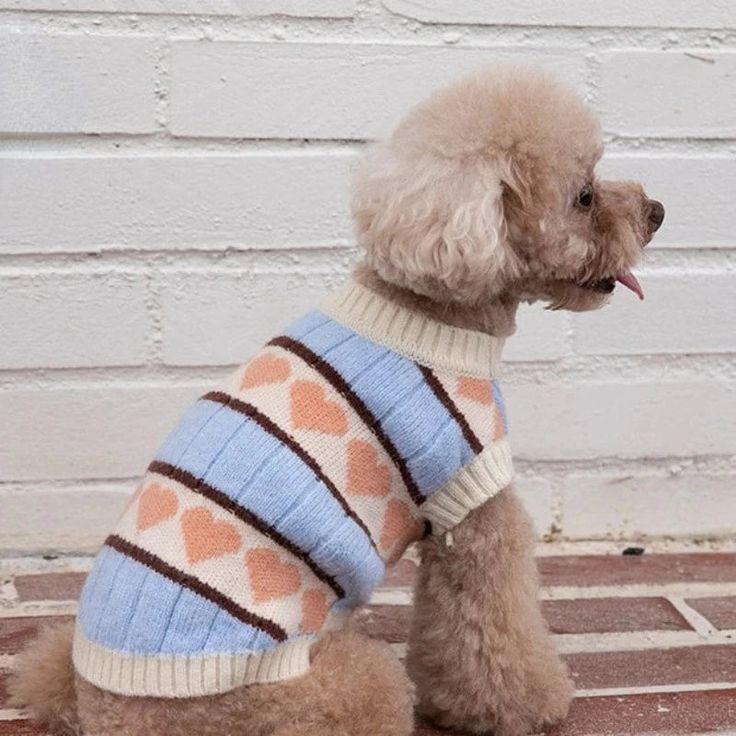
(479,650)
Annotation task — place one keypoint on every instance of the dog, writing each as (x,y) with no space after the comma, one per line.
(484,197)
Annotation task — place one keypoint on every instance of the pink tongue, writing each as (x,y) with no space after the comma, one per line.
(631,282)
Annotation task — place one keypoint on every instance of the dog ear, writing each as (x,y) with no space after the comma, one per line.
(433,225)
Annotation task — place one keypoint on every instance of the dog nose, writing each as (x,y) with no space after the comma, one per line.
(656,215)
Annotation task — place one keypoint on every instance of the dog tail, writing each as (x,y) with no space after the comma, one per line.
(43,680)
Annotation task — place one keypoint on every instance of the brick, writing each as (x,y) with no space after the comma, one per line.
(673,318)
(623,506)
(590,420)
(52,586)
(214,318)
(254,200)
(602,615)
(76,84)
(89,432)
(720,611)
(669,93)
(695,189)
(584,616)
(319,90)
(537,496)
(248,8)
(657,13)
(68,320)
(714,663)
(70,520)
(21,728)
(666,713)
(388,623)
(402,574)
(540,335)
(15,633)
(583,570)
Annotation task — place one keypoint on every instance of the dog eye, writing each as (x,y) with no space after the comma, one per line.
(585,196)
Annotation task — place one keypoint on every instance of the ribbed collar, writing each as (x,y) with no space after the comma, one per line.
(413,334)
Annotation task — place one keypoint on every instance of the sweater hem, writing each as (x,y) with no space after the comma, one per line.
(414,335)
(185,676)
(490,472)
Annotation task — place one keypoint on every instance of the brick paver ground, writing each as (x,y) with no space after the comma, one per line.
(650,641)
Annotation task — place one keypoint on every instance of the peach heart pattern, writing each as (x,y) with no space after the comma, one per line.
(311,409)
(156,504)
(475,389)
(366,476)
(205,537)
(265,370)
(399,526)
(270,577)
(315,608)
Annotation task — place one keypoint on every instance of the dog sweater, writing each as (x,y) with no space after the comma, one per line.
(274,507)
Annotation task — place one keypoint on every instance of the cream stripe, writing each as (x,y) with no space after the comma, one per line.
(172,676)
(406,331)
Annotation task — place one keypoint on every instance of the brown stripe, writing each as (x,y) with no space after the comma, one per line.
(449,404)
(195,585)
(245,515)
(286,439)
(343,388)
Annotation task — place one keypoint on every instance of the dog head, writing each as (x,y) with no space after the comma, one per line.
(488,188)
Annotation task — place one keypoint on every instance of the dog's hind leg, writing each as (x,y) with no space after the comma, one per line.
(479,650)
(355,687)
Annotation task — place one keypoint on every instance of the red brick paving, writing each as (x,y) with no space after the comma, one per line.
(15,632)
(710,663)
(667,713)
(598,615)
(20,728)
(720,611)
(579,570)
(50,586)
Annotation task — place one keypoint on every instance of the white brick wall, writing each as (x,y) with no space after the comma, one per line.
(173,188)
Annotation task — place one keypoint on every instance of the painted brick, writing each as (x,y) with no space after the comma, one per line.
(256,200)
(76,84)
(582,570)
(294,8)
(214,318)
(615,506)
(657,13)
(536,495)
(681,314)
(68,520)
(87,432)
(71,320)
(540,335)
(616,419)
(695,189)
(669,93)
(319,90)
(51,586)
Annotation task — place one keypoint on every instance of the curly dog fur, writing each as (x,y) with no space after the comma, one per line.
(485,196)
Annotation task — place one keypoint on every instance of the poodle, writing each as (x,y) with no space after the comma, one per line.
(484,197)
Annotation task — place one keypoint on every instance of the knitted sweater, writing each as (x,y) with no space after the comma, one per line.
(277,502)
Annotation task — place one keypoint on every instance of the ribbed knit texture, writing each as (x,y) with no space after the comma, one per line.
(275,505)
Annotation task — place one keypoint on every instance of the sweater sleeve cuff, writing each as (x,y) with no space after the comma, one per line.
(490,472)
